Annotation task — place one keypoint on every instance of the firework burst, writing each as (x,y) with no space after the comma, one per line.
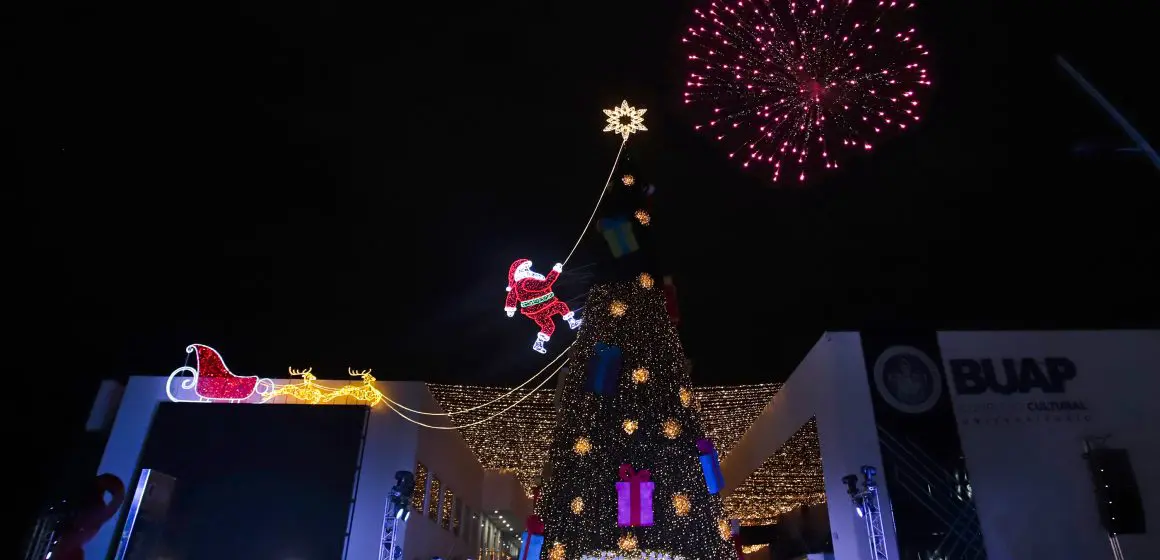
(793,84)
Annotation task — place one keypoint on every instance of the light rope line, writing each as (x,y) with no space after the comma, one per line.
(489,418)
(596,208)
(603,191)
(493,401)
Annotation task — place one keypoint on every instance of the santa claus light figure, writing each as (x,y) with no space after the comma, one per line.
(531,293)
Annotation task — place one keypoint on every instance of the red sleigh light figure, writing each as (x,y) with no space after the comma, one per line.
(532,293)
(212,381)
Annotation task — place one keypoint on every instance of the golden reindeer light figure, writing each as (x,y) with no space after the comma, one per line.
(365,391)
(307,391)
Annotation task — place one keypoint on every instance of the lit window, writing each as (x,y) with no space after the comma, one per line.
(456,513)
(448,506)
(433,512)
(420,494)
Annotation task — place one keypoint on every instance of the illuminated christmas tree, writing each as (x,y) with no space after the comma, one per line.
(631,473)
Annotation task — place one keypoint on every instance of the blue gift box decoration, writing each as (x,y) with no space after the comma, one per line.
(618,233)
(603,370)
(710,465)
(531,547)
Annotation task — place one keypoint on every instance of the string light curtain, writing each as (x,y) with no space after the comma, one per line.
(788,479)
(517,442)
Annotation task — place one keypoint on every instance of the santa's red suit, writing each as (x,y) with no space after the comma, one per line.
(532,295)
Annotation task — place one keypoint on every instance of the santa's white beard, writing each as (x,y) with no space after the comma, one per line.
(536,276)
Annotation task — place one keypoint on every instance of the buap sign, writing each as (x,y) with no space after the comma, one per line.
(1011,375)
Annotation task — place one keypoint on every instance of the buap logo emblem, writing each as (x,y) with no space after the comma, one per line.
(907,379)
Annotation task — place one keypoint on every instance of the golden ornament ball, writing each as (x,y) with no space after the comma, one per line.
(583,446)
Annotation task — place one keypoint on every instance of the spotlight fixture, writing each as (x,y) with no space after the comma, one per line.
(867,506)
(401,494)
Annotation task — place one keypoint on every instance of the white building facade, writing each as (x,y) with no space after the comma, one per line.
(978,437)
(459,510)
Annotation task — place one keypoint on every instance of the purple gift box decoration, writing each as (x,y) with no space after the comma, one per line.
(710,465)
(634,495)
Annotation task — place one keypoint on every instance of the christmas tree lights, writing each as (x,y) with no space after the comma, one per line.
(657,462)
(625,555)
(583,446)
(790,478)
(723,529)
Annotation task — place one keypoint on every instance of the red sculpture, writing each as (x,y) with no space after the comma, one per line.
(86,521)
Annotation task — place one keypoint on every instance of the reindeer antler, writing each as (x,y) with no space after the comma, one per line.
(304,374)
(358,373)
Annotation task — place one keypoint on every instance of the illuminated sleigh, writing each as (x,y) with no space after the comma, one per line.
(212,381)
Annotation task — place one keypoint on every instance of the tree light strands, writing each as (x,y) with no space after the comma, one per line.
(789,478)
(635,124)
(789,83)
(492,401)
(648,340)
(634,555)
(489,418)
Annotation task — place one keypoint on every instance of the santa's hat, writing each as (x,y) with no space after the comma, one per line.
(512,270)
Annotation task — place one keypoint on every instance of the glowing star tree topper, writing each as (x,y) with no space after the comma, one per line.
(625,120)
(531,293)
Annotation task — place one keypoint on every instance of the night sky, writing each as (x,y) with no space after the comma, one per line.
(313,184)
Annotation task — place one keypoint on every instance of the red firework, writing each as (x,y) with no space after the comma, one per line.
(790,85)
